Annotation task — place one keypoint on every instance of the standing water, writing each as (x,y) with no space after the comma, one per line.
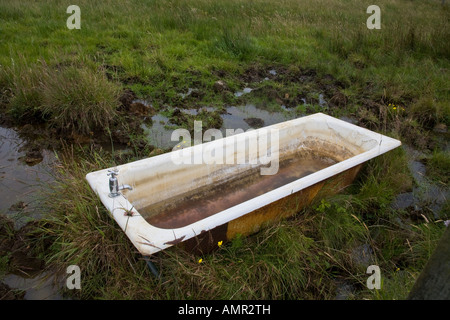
(19,177)
(22,173)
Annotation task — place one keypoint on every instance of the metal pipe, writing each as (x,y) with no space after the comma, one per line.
(152,267)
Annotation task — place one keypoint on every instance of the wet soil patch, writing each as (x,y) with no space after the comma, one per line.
(278,85)
(17,246)
(427,199)
(7,293)
(257,73)
(255,122)
(210,118)
(250,116)
(24,270)
(271,87)
(33,155)
(39,135)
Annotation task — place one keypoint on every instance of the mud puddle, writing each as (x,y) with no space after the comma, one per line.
(22,172)
(249,116)
(232,117)
(426,196)
(244,91)
(41,287)
(158,133)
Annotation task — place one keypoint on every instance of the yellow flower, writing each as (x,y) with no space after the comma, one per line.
(394,108)
(200,260)
(220,243)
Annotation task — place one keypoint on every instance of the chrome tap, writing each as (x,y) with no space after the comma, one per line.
(114,187)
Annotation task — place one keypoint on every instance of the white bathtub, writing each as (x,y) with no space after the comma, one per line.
(158,178)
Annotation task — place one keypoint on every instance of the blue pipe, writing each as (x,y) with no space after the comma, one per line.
(152,267)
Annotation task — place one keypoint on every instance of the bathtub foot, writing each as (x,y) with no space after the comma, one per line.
(152,267)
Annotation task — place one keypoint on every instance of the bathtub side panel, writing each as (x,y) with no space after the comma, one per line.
(285,207)
(291,204)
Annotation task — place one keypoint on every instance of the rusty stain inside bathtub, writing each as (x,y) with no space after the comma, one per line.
(183,210)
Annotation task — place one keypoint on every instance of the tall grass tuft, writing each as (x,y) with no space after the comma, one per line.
(72,98)
(79,100)
(438,166)
(24,82)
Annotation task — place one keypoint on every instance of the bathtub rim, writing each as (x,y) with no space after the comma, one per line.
(149,239)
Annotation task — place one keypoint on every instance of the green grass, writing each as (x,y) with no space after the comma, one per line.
(438,166)
(161,45)
(71,80)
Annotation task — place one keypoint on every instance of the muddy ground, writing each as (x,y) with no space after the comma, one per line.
(272,88)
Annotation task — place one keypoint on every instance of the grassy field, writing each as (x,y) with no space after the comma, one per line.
(73,83)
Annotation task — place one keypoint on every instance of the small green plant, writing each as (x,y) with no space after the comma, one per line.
(323,206)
